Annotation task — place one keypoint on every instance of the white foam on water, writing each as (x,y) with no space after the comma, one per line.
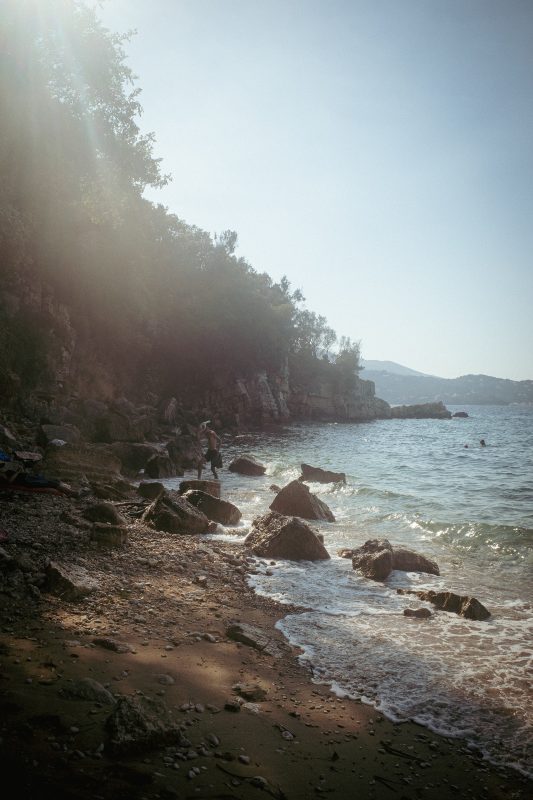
(471,511)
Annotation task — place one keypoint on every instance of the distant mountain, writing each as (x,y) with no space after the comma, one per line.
(411,387)
(388,366)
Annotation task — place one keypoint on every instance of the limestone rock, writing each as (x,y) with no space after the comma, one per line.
(71,583)
(321,475)
(138,724)
(247,465)
(215,509)
(296,499)
(277,536)
(175,515)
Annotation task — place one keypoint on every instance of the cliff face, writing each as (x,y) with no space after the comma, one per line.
(322,400)
(61,375)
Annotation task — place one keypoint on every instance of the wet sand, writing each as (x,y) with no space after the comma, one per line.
(172,599)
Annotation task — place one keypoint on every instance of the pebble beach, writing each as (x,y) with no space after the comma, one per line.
(172,622)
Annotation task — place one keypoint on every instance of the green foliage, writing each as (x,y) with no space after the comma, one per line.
(151,294)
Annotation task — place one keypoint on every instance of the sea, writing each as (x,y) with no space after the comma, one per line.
(429,485)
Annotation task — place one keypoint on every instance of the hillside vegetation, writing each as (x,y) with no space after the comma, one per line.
(93,273)
(398,388)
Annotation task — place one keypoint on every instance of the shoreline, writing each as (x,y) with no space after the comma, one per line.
(172,599)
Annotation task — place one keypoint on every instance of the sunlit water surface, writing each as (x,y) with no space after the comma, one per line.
(471,510)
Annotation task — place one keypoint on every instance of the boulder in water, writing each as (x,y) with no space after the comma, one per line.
(213,507)
(247,465)
(295,499)
(277,536)
(377,558)
(463,605)
(319,475)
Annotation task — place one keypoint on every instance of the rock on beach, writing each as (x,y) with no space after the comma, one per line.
(277,536)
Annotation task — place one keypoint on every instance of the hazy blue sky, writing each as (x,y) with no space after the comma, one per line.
(377,152)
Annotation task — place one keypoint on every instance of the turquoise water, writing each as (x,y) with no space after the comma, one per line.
(469,509)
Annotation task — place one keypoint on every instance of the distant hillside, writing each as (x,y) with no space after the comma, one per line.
(387,366)
(468,389)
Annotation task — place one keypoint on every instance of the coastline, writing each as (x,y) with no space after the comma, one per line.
(171,600)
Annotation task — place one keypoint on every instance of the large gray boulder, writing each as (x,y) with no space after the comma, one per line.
(295,499)
(213,507)
(247,465)
(319,475)
(276,536)
(175,515)
(377,558)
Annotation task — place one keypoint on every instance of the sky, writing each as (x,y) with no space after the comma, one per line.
(379,153)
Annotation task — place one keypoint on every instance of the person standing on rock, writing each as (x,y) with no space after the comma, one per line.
(213,449)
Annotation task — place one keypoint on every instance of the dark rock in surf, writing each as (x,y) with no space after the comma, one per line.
(373,559)
(377,558)
(247,465)
(319,475)
(460,414)
(421,411)
(295,499)
(463,605)
(418,613)
(277,536)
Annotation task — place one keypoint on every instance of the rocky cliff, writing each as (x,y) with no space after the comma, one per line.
(62,377)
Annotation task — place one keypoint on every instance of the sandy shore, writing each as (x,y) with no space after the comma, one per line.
(171,600)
